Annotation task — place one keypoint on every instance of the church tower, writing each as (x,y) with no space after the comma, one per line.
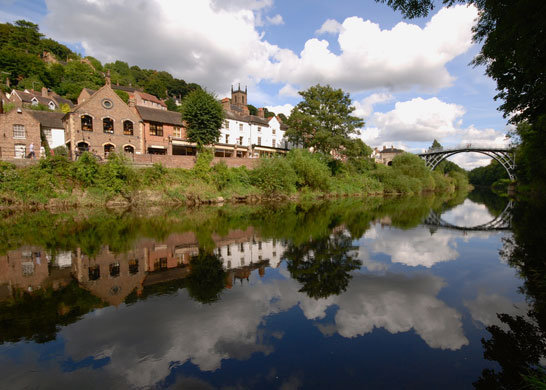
(238,97)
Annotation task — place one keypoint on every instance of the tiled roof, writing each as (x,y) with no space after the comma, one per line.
(247,118)
(61,100)
(161,116)
(90,91)
(48,119)
(152,98)
(391,150)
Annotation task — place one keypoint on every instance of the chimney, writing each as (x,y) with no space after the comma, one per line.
(384,147)
(7,81)
(107,78)
(44,92)
(261,112)
(131,102)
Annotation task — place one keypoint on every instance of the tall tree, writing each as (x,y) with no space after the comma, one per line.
(323,120)
(203,115)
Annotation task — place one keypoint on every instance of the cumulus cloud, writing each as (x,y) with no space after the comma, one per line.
(285,109)
(214,42)
(330,26)
(485,307)
(364,108)
(289,91)
(468,214)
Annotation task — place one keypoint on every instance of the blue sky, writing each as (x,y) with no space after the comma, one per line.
(409,79)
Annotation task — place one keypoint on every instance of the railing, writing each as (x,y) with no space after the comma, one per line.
(468,146)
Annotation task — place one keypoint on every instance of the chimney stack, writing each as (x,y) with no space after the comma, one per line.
(44,92)
(384,147)
(107,78)
(261,112)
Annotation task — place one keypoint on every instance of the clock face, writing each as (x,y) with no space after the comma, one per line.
(107,103)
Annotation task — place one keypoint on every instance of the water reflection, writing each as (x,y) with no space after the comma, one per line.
(174,298)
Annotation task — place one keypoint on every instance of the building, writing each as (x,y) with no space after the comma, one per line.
(386,155)
(163,132)
(31,98)
(246,135)
(102,123)
(19,129)
(51,126)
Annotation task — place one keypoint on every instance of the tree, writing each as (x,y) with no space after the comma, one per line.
(207,277)
(323,121)
(436,145)
(252,110)
(204,116)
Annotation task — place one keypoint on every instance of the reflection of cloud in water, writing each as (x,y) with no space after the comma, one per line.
(485,308)
(398,304)
(416,247)
(468,214)
(145,340)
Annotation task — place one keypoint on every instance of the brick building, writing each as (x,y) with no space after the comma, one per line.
(19,129)
(102,123)
(163,132)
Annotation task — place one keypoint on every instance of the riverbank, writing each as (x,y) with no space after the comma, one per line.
(56,182)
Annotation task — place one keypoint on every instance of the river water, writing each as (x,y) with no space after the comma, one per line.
(348,294)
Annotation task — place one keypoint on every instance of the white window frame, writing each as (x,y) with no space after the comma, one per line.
(20,129)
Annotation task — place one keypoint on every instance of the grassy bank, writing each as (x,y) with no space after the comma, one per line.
(58,182)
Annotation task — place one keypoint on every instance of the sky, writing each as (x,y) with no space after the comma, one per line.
(410,80)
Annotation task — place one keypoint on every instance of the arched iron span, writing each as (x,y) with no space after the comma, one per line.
(505,156)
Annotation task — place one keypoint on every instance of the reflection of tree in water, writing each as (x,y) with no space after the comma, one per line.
(521,347)
(207,277)
(323,266)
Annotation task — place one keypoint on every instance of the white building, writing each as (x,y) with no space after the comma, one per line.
(245,135)
(245,253)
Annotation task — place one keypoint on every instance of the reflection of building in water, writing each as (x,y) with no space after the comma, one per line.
(112,276)
(27,268)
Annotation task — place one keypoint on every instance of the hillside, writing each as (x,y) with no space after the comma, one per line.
(31,60)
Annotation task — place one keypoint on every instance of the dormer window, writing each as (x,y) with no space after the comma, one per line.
(127,128)
(87,123)
(51,105)
(34,101)
(108,125)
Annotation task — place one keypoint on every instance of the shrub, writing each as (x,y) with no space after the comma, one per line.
(274,175)
(310,170)
(116,176)
(60,151)
(202,169)
(221,175)
(86,169)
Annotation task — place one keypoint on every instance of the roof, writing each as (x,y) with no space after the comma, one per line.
(89,91)
(152,98)
(48,119)
(161,116)
(61,100)
(43,100)
(247,118)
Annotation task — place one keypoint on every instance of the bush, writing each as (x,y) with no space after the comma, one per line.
(86,169)
(60,151)
(274,175)
(201,169)
(116,176)
(310,171)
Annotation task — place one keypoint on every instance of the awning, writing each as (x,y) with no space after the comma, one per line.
(266,149)
(156,147)
(182,143)
(224,148)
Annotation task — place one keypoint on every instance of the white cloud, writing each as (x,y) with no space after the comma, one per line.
(364,108)
(215,42)
(276,20)
(289,91)
(285,109)
(468,214)
(418,120)
(485,308)
(330,26)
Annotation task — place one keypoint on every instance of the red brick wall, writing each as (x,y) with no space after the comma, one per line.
(32,133)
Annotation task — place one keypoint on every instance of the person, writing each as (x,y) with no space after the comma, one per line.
(31,148)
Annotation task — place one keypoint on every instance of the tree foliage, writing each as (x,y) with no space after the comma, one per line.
(323,120)
(204,116)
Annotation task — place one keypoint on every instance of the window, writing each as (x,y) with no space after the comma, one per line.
(20,151)
(133,267)
(259,129)
(19,132)
(273,143)
(127,128)
(156,129)
(240,127)
(129,149)
(87,123)
(114,269)
(109,148)
(259,245)
(228,250)
(240,140)
(177,132)
(94,272)
(259,140)
(107,103)
(108,125)
(227,138)
(226,125)
(27,268)
(242,248)
(273,131)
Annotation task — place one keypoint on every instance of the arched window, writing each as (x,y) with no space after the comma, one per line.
(108,125)
(109,148)
(87,123)
(129,149)
(127,128)
(82,147)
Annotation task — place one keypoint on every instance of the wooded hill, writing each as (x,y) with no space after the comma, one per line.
(31,60)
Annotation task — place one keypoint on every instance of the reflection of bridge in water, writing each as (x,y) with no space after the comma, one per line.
(502,222)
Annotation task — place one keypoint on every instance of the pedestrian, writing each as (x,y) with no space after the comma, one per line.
(31,148)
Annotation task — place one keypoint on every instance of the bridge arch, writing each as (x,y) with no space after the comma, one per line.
(504,156)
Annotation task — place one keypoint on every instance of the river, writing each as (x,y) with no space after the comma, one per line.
(354,293)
